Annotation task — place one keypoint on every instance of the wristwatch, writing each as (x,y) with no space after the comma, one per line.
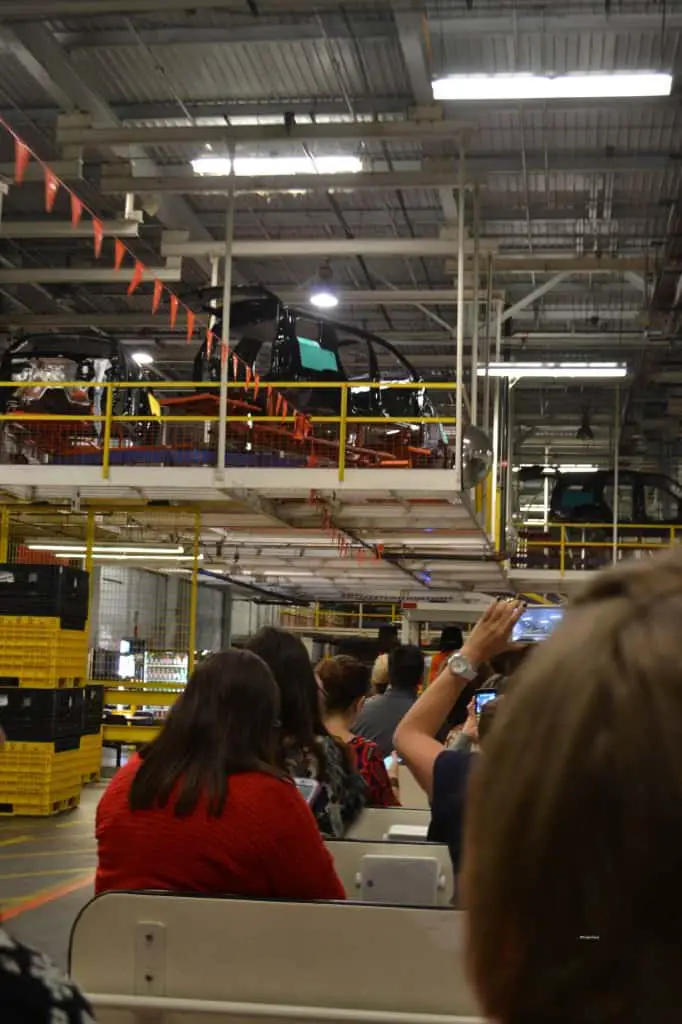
(460,666)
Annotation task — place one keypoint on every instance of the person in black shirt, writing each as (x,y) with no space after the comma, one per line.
(443,773)
(33,991)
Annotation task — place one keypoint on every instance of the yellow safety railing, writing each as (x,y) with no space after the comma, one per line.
(570,546)
(110,429)
(317,617)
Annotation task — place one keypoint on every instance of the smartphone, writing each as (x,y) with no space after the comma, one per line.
(389,762)
(483,697)
(309,789)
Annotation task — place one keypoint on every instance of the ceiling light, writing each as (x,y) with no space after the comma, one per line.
(143,358)
(100,549)
(465,88)
(323,294)
(256,167)
(555,371)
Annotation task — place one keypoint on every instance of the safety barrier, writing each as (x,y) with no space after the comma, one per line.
(185,424)
(398,874)
(376,824)
(192,956)
(586,546)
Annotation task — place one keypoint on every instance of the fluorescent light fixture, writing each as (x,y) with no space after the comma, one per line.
(99,549)
(559,467)
(258,166)
(144,558)
(555,371)
(324,298)
(619,85)
(143,358)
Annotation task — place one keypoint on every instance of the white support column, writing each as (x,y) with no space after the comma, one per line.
(459,377)
(227,297)
(475,325)
(494,509)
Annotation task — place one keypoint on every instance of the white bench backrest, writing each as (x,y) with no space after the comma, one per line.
(270,954)
(411,793)
(357,861)
(374,823)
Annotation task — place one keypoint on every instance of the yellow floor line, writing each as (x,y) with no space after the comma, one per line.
(15,840)
(38,874)
(47,853)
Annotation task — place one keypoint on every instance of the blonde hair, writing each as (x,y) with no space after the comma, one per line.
(572,869)
(380,674)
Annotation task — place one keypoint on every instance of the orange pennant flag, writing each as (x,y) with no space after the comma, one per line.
(209,343)
(174,303)
(98,235)
(76,210)
(224,352)
(51,188)
(138,275)
(285,408)
(158,293)
(119,253)
(248,376)
(256,386)
(235,365)
(190,324)
(22,155)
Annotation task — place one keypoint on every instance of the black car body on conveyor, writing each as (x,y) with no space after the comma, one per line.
(281,343)
(647,507)
(66,358)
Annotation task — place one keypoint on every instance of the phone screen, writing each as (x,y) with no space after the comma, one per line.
(389,762)
(483,697)
(308,788)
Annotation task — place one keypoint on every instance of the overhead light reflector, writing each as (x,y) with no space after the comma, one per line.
(101,549)
(555,371)
(619,85)
(260,167)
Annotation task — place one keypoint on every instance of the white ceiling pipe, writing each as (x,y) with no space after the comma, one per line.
(267,135)
(84,275)
(65,229)
(196,184)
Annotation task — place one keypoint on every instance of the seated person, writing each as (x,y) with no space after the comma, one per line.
(380,716)
(305,748)
(443,773)
(205,806)
(345,688)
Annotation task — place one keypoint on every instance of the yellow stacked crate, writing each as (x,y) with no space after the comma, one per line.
(40,654)
(91,757)
(38,779)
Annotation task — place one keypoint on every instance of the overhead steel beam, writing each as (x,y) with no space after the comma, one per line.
(199,184)
(64,229)
(64,169)
(84,275)
(40,55)
(533,296)
(260,134)
(316,248)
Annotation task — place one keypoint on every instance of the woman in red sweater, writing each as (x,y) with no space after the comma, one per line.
(204,809)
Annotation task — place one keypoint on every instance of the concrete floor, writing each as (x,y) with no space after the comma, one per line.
(47,867)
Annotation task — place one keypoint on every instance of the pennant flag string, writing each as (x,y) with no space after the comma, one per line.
(23,155)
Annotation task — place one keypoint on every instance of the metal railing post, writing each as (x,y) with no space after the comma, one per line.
(562,549)
(106,439)
(475,324)
(194,594)
(343,432)
(4,534)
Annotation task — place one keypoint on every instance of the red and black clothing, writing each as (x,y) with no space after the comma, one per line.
(370,765)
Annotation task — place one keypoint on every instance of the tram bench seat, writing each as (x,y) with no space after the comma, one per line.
(398,874)
(205,958)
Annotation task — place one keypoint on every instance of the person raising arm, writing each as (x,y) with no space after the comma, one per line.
(442,773)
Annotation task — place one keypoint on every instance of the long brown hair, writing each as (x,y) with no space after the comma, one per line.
(572,871)
(225,723)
